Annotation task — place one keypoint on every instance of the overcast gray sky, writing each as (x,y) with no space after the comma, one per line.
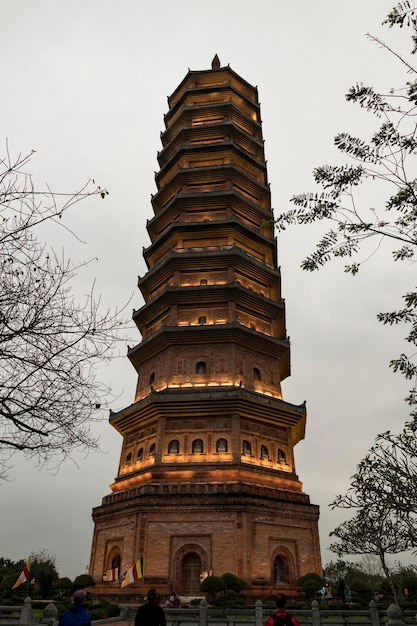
(84,83)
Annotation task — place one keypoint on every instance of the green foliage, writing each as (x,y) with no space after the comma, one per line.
(43,571)
(43,575)
(336,571)
(382,493)
(382,162)
(310,584)
(212,585)
(63,583)
(9,572)
(308,577)
(370,533)
(231,600)
(7,583)
(83,580)
(404,14)
(63,586)
(233,583)
(102,610)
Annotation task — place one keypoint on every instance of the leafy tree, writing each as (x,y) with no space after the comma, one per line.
(364,577)
(50,343)
(310,584)
(336,571)
(386,164)
(382,494)
(373,531)
(64,585)
(406,580)
(7,583)
(384,486)
(10,568)
(233,583)
(44,573)
(382,490)
(83,580)
(371,565)
(212,585)
(387,477)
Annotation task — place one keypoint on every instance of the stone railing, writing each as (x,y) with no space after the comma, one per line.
(257,616)
(22,615)
(203,615)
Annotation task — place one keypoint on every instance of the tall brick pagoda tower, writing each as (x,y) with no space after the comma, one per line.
(207,479)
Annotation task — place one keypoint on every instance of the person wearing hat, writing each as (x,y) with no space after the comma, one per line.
(77,614)
(150,613)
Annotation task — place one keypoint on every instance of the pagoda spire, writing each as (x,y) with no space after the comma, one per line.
(215,64)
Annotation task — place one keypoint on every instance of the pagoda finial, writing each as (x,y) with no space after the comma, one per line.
(215,64)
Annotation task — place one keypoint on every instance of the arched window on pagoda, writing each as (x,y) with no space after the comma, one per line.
(201,367)
(129,459)
(174,447)
(152,450)
(281,456)
(257,374)
(264,452)
(202,319)
(221,445)
(197,446)
(140,455)
(152,378)
(246,448)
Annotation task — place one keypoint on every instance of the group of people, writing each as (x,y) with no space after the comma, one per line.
(151,613)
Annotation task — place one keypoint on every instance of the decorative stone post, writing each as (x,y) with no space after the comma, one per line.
(374,614)
(259,614)
(26,612)
(202,613)
(395,616)
(315,613)
(50,613)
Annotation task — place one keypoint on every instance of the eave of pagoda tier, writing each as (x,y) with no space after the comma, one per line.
(212,155)
(211,206)
(217,304)
(212,113)
(248,411)
(278,480)
(211,130)
(203,269)
(202,96)
(212,78)
(209,179)
(214,236)
(211,356)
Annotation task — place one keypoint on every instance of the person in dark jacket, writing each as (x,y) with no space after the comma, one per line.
(77,614)
(150,613)
(281,617)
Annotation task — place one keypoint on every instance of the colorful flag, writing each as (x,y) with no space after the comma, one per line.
(205,575)
(111,575)
(132,574)
(24,576)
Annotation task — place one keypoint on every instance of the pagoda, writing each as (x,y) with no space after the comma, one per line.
(206,479)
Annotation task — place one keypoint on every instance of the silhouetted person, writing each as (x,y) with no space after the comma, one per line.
(76,615)
(281,617)
(150,613)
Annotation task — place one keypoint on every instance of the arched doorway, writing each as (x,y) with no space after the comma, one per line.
(280,571)
(113,558)
(191,570)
